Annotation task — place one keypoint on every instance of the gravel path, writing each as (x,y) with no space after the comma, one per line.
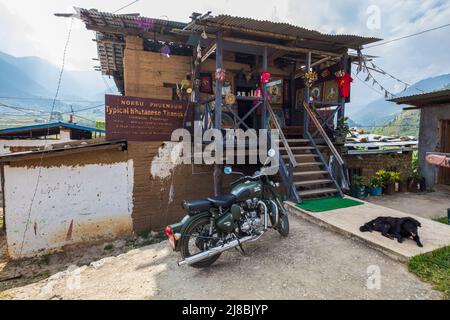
(312,263)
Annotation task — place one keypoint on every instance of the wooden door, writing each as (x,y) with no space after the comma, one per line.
(444,173)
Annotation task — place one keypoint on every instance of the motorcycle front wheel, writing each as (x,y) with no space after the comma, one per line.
(197,239)
(283,225)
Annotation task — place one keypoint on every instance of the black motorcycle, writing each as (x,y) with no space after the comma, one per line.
(217,224)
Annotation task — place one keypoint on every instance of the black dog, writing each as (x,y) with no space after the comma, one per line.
(391,228)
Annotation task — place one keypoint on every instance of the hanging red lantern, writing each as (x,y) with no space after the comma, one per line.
(265,77)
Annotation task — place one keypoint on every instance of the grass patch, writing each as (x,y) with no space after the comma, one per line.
(108,247)
(441,219)
(433,267)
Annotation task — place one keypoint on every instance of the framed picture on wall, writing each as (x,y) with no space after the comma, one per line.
(316,92)
(330,92)
(206,83)
(275,90)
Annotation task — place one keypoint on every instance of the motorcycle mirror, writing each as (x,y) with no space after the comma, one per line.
(271,153)
(227,170)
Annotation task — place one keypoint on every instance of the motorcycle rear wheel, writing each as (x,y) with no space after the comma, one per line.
(189,242)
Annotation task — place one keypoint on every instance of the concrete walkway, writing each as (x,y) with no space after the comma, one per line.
(347,221)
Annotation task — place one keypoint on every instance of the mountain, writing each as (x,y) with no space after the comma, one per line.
(85,85)
(28,85)
(404,124)
(380,112)
(15,82)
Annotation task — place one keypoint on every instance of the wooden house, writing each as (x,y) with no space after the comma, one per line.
(153,58)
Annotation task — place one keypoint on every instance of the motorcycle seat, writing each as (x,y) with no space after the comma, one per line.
(196,205)
(223,201)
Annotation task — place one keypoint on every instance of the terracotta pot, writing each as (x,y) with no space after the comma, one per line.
(412,185)
(389,189)
(402,186)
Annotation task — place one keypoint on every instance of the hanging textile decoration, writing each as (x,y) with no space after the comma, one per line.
(165,51)
(220,74)
(343,79)
(310,77)
(265,77)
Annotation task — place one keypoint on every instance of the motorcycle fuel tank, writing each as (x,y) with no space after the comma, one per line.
(247,190)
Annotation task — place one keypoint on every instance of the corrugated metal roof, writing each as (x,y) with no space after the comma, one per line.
(286,29)
(136,21)
(434,97)
(50,125)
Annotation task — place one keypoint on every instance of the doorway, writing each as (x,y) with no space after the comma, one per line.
(444,173)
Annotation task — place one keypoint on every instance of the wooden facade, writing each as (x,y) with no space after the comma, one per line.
(161,59)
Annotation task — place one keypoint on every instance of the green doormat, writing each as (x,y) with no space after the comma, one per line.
(326,204)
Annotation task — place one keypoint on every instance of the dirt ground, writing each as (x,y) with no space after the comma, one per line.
(312,263)
(424,204)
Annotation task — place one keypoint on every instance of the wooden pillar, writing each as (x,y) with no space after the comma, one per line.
(347,67)
(307,93)
(218,113)
(195,81)
(264,92)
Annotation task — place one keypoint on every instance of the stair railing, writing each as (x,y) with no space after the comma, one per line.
(330,145)
(286,173)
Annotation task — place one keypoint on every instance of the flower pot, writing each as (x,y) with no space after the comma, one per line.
(358,192)
(339,140)
(376,192)
(402,186)
(389,189)
(413,185)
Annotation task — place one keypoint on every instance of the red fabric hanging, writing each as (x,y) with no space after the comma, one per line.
(344,84)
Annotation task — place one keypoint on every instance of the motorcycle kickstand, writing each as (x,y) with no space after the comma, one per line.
(240,247)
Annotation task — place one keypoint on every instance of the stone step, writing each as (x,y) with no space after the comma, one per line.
(317,191)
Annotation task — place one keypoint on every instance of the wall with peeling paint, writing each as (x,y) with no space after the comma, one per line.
(73,205)
(162,181)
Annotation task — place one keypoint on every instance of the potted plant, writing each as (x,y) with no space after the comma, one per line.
(403,183)
(390,179)
(358,190)
(413,181)
(342,130)
(375,184)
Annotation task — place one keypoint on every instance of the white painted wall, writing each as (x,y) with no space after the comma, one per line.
(72,205)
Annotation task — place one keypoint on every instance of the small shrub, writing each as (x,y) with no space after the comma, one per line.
(108,247)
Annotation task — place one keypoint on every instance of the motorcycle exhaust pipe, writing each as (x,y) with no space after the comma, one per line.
(216,250)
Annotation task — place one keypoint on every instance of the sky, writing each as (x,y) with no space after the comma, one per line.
(29,28)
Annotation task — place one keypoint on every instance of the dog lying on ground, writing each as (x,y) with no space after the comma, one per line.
(392,228)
